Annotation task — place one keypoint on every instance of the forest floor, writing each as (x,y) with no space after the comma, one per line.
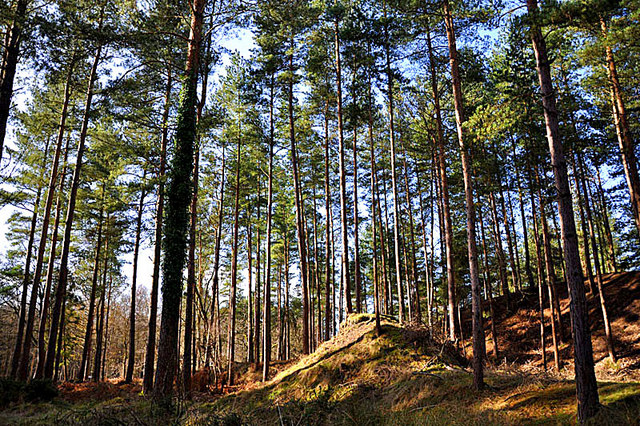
(402,377)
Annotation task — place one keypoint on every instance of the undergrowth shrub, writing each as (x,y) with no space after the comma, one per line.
(16,391)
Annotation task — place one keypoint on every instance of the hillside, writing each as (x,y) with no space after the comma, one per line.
(402,377)
(519,333)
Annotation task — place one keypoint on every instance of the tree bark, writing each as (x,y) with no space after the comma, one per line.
(134,280)
(51,190)
(25,284)
(97,361)
(150,353)
(394,184)
(44,315)
(231,342)
(603,304)
(478,330)
(346,279)
(327,205)
(266,322)
(302,239)
(586,385)
(71,206)
(86,352)
(9,65)
(177,219)
(444,190)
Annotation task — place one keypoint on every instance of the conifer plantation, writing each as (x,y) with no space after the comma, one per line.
(319,212)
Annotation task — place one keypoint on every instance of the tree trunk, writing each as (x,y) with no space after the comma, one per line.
(216,261)
(586,385)
(356,227)
(134,281)
(231,342)
(256,310)
(266,322)
(9,63)
(540,271)
(412,243)
(392,153)
(327,205)
(51,190)
(187,352)
(500,252)
(607,226)
(178,199)
(345,280)
(97,361)
(71,206)
(623,131)
(551,278)
(478,330)
(603,304)
(44,314)
(150,353)
(25,284)
(86,352)
(444,190)
(302,249)
(489,289)
(523,219)
(374,235)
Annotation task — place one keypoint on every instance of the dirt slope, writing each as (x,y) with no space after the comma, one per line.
(519,332)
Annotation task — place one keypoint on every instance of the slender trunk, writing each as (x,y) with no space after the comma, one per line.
(86,352)
(540,271)
(266,322)
(60,347)
(150,353)
(97,361)
(489,289)
(9,64)
(66,241)
(250,293)
(256,310)
(623,130)
(216,260)
(44,315)
(605,220)
(134,281)
(551,278)
(374,234)
(327,206)
(187,352)
(585,232)
(231,342)
(356,228)
(316,256)
(516,249)
(412,243)
(478,330)
(106,332)
(444,190)
(345,280)
(302,249)
(512,260)
(603,304)
(25,283)
(500,252)
(586,385)
(523,219)
(392,153)
(18,352)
